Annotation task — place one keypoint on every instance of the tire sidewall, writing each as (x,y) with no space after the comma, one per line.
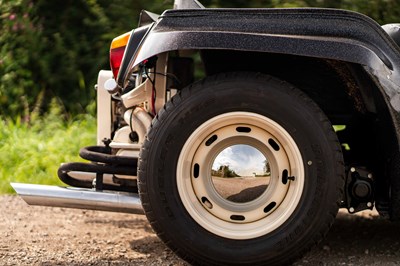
(273,99)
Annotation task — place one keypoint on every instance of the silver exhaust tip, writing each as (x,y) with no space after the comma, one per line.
(80,198)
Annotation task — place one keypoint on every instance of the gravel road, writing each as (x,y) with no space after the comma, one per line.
(56,236)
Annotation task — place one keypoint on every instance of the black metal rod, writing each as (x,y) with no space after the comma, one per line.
(99,181)
(98,169)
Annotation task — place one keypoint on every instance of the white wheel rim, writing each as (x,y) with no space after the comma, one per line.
(239,220)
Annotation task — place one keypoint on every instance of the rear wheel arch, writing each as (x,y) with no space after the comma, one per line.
(347,93)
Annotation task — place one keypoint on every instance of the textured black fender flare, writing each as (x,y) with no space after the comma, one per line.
(321,33)
(324,33)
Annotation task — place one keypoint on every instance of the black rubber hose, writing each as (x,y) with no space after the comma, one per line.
(103,154)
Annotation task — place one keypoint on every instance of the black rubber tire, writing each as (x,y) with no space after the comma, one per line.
(249,92)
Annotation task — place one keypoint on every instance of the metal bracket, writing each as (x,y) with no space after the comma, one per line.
(359,190)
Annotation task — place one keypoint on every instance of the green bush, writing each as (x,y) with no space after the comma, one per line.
(56,48)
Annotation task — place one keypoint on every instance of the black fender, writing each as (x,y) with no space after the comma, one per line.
(321,33)
(325,33)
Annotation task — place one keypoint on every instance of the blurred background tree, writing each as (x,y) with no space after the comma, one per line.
(54,49)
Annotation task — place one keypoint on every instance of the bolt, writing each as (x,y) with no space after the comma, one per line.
(351,210)
(370,175)
(369,204)
(309,162)
(352,169)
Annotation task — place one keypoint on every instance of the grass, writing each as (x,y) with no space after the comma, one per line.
(32,153)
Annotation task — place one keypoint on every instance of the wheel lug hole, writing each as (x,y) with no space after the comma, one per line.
(206,202)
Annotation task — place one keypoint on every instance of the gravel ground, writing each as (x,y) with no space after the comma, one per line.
(55,236)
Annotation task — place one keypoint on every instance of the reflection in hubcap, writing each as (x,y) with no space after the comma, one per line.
(233,205)
(240,173)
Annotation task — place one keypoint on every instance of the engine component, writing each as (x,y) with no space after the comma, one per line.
(359,190)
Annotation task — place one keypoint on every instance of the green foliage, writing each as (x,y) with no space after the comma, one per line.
(33,153)
(54,49)
(19,41)
(71,51)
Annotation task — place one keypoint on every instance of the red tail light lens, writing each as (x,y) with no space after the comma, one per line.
(116,56)
(117,51)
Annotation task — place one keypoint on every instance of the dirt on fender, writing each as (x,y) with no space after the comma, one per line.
(31,235)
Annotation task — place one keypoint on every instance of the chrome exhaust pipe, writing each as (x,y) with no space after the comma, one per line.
(80,198)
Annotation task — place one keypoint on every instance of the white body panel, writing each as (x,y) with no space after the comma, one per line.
(104,116)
